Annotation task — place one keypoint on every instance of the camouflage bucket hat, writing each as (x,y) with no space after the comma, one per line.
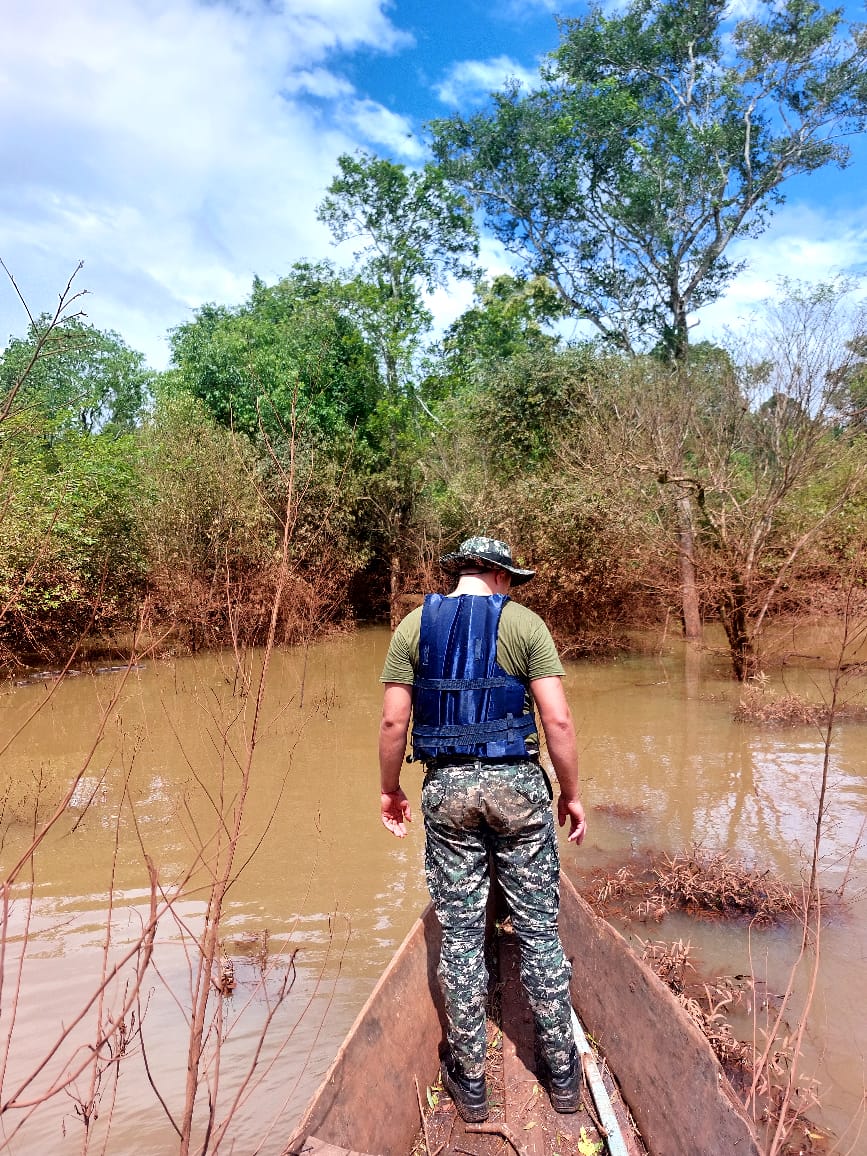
(484,552)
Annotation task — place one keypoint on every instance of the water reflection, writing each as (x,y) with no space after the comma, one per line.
(324,892)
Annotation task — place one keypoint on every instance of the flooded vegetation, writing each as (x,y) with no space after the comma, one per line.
(697,883)
(288,476)
(791,710)
(195,570)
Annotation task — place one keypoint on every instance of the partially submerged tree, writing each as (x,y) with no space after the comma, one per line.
(775,467)
(752,437)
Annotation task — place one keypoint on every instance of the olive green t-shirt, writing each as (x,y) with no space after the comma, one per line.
(525,647)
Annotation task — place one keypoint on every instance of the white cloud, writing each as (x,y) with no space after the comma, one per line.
(317,82)
(470,81)
(379,126)
(168,145)
(803,243)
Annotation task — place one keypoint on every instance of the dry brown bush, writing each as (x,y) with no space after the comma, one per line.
(714,884)
(236,607)
(697,883)
(757,705)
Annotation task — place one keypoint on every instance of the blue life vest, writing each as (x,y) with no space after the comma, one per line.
(464,703)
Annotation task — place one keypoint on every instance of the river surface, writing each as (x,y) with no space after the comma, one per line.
(324,895)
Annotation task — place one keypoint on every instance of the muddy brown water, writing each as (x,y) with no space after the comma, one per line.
(664,766)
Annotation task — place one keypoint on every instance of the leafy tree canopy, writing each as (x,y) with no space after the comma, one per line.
(83,380)
(416,232)
(656,138)
(510,317)
(288,349)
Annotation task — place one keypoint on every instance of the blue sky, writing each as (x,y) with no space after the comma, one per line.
(178,147)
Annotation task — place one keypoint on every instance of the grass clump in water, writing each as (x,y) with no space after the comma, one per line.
(764,708)
(697,883)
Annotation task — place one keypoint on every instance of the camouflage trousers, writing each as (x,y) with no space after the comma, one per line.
(472,810)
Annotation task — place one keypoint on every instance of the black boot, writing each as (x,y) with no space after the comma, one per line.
(565,1089)
(470,1095)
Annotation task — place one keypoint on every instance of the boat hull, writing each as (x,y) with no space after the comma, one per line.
(665,1068)
(367,1101)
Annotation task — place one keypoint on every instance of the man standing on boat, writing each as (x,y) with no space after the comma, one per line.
(468,668)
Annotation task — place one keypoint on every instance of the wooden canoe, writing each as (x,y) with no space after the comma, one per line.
(664,1067)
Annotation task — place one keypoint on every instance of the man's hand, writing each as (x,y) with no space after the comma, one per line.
(396,709)
(572,810)
(395,812)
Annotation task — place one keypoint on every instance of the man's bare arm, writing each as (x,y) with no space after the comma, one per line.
(559,731)
(393,730)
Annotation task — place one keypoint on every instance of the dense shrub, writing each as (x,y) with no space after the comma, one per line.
(70,556)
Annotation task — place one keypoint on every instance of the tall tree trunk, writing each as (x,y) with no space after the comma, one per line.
(679,336)
(689,603)
(733,613)
(686,562)
(394,589)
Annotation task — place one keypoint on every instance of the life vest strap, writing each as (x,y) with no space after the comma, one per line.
(483,730)
(463,683)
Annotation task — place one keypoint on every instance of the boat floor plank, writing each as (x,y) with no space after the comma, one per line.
(523,1095)
(528,1109)
(515,1092)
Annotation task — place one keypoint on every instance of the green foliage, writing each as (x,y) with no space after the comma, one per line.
(289,353)
(415,231)
(580,456)
(750,438)
(83,379)
(299,412)
(510,318)
(513,459)
(849,381)
(591,582)
(69,553)
(70,557)
(657,137)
